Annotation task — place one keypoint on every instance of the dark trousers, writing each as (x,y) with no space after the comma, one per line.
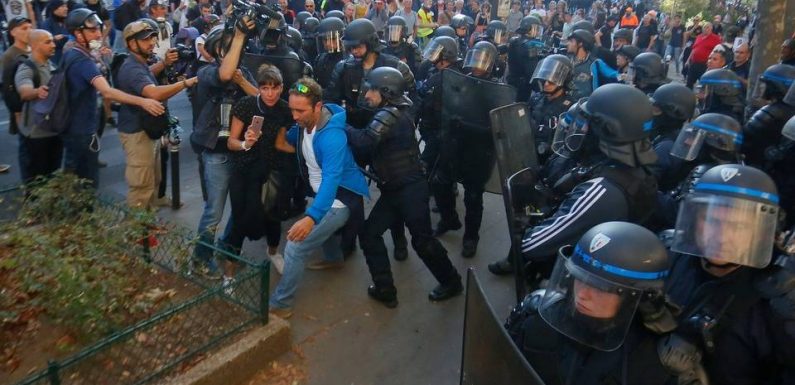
(249,219)
(410,203)
(694,73)
(80,156)
(39,156)
(444,194)
(161,189)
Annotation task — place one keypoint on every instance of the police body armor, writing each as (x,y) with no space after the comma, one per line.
(324,66)
(764,130)
(396,160)
(409,53)
(523,56)
(545,113)
(351,75)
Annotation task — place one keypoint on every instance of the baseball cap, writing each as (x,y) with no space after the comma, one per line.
(138,30)
(17,21)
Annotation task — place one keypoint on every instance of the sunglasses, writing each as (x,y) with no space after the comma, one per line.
(302,88)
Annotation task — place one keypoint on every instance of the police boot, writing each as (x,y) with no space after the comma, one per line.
(385,295)
(501,267)
(446,225)
(469,248)
(401,253)
(448,290)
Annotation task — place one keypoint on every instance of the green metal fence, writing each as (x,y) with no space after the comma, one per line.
(175,337)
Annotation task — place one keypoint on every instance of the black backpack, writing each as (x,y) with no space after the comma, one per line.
(11,96)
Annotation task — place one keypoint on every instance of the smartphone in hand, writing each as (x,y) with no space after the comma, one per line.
(256,124)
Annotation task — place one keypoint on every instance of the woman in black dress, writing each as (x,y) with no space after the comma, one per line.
(255,156)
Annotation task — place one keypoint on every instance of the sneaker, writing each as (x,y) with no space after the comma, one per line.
(281,312)
(208,270)
(277,261)
(163,201)
(325,265)
(229,285)
(4,168)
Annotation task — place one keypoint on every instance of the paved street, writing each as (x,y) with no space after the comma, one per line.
(343,336)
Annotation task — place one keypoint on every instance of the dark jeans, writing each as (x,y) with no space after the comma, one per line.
(248,219)
(80,156)
(39,157)
(411,204)
(694,72)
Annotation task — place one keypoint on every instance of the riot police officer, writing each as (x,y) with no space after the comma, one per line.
(463,25)
(724,235)
(622,37)
(616,185)
(398,46)
(390,146)
(442,53)
(273,39)
(579,47)
(330,50)
(721,91)
(607,56)
(308,30)
(673,105)
(471,161)
(445,30)
(587,326)
(647,72)
(710,139)
(524,53)
(764,128)
(624,56)
(295,40)
(550,99)
(497,33)
(345,86)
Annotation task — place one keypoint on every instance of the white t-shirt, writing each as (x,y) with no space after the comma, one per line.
(200,40)
(542,13)
(14,8)
(315,175)
(163,39)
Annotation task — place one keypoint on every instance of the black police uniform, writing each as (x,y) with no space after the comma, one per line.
(345,86)
(324,66)
(764,130)
(545,112)
(408,53)
(389,142)
(523,57)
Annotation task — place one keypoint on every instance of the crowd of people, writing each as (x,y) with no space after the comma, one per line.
(297,100)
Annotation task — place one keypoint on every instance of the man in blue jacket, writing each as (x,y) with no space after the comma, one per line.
(327,164)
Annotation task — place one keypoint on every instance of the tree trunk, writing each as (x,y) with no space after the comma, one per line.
(769,35)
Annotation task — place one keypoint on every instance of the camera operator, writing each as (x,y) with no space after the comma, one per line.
(221,83)
(158,11)
(139,132)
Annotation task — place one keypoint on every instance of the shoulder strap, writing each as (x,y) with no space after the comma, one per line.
(36,77)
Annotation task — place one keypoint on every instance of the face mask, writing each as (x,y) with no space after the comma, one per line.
(94,45)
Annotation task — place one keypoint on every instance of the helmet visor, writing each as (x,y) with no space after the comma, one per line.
(479,59)
(789,98)
(587,308)
(330,41)
(726,229)
(535,31)
(395,33)
(559,137)
(630,75)
(688,142)
(789,129)
(550,71)
(92,21)
(499,37)
(433,52)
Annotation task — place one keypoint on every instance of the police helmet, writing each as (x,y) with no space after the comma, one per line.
(335,13)
(675,101)
(461,21)
(585,38)
(329,35)
(294,39)
(789,98)
(729,218)
(497,32)
(298,22)
(623,34)
(531,26)
(647,70)
(310,26)
(396,29)
(583,25)
(445,30)
(718,131)
(217,42)
(597,284)
(388,81)
(277,28)
(361,31)
(441,48)
(556,69)
(629,51)
(481,56)
(777,79)
(82,18)
(719,88)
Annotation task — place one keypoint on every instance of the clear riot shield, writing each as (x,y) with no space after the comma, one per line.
(489,356)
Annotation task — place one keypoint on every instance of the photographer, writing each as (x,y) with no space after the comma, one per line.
(139,132)
(220,83)
(158,11)
(259,124)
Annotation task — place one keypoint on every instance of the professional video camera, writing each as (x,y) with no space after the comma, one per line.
(261,14)
(183,67)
